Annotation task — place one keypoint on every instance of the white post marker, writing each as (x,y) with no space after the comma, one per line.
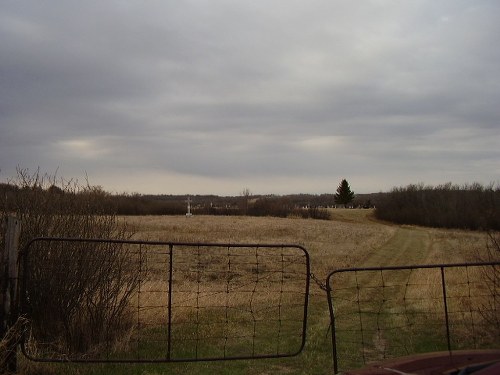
(188,214)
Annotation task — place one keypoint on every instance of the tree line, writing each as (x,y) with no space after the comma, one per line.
(305,206)
(292,205)
(470,206)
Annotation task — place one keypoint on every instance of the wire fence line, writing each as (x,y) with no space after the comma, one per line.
(138,301)
(388,312)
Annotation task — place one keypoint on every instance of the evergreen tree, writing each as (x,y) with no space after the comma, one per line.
(344,195)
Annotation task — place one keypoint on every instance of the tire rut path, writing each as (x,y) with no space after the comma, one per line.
(408,245)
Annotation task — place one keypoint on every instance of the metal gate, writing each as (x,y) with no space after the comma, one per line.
(94,300)
(388,312)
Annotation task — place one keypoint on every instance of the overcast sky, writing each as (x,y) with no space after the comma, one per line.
(278,97)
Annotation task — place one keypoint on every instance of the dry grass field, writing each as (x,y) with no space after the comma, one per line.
(344,241)
(352,238)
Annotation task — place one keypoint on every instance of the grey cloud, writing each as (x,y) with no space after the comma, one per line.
(252,89)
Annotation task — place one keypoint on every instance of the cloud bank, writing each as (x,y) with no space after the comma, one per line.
(275,96)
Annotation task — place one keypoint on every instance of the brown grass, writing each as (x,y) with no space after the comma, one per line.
(331,244)
(353,238)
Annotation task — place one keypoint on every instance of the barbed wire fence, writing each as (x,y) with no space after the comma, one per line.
(175,301)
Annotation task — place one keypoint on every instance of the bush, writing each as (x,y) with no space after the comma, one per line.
(85,305)
(489,310)
(284,207)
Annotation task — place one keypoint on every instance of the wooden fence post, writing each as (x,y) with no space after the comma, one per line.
(8,291)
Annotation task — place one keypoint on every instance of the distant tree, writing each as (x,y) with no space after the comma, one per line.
(245,194)
(344,195)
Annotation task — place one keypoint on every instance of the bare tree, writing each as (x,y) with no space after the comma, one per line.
(245,194)
(491,275)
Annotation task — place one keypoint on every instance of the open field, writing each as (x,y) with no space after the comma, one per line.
(351,239)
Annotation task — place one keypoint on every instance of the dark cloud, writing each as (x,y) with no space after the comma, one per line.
(277,96)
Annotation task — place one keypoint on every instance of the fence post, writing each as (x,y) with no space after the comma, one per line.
(8,291)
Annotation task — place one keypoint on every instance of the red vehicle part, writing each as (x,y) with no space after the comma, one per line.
(477,362)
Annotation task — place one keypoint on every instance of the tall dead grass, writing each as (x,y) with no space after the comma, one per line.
(350,239)
(332,244)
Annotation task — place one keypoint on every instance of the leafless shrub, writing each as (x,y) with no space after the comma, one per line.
(10,340)
(490,311)
(78,293)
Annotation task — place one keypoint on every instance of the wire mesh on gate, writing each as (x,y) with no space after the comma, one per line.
(387,312)
(135,301)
